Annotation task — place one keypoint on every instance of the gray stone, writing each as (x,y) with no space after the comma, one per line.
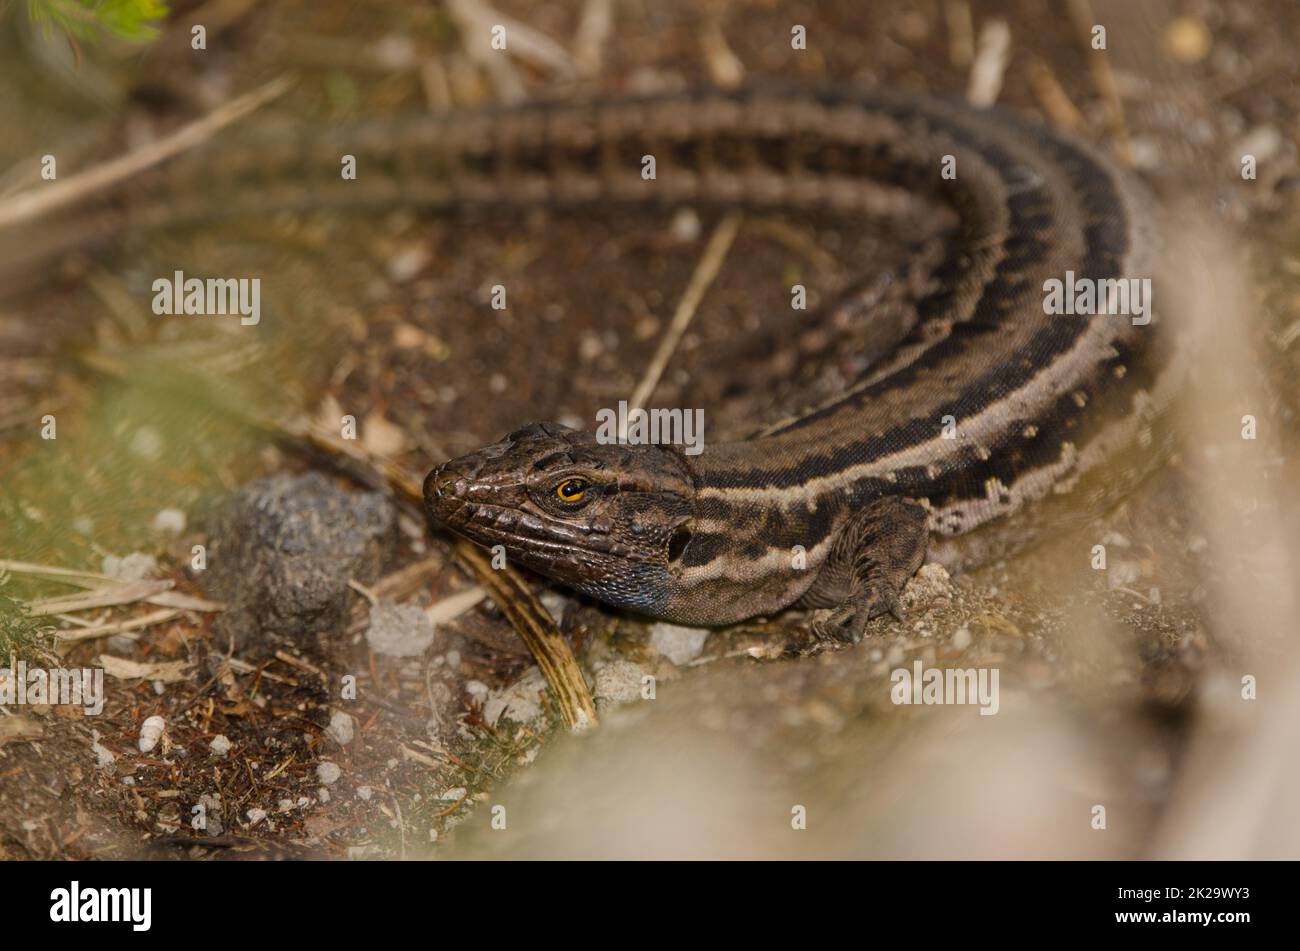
(399,630)
(282,552)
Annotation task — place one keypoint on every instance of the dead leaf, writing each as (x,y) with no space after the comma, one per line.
(19,729)
(380,437)
(169,671)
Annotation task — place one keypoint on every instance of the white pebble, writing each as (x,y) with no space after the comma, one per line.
(328,773)
(151,732)
(399,630)
(686,225)
(681,645)
(136,566)
(169,522)
(220,744)
(104,757)
(341,728)
(147,443)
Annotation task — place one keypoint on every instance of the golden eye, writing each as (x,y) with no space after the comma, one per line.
(571,490)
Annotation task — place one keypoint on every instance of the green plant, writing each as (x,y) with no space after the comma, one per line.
(19,631)
(88,20)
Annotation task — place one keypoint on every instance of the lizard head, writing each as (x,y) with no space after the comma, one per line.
(609,520)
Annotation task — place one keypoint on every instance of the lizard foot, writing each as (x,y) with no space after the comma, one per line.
(847,623)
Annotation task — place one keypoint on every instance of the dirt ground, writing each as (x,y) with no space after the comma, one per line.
(1120,689)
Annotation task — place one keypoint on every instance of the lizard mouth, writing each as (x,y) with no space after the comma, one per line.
(467,508)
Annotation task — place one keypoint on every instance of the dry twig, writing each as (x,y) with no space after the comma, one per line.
(35,202)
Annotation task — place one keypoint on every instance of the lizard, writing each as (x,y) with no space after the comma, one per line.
(986,404)
(979,406)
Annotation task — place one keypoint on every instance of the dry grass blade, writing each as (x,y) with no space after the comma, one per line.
(530,620)
(168,671)
(116,627)
(705,272)
(594,28)
(41,200)
(1103,77)
(990,64)
(521,39)
(108,596)
(538,631)
(89,579)
(19,729)
(83,579)
(453,606)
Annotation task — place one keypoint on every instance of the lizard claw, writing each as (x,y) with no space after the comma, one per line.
(847,623)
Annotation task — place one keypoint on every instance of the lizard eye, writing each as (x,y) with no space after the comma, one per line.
(571,490)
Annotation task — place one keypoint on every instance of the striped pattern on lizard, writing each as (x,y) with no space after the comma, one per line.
(1033,400)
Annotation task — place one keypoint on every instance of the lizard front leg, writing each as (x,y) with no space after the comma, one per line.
(870,561)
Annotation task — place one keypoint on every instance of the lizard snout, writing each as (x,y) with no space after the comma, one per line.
(444,488)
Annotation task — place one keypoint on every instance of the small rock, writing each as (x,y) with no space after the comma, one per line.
(169,522)
(151,732)
(454,794)
(255,816)
(147,443)
(1263,142)
(212,823)
(1187,39)
(283,551)
(104,757)
(220,744)
(396,52)
(619,682)
(341,728)
(555,604)
(929,584)
(679,644)
(407,263)
(364,793)
(686,226)
(133,567)
(520,702)
(1121,574)
(328,773)
(399,630)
